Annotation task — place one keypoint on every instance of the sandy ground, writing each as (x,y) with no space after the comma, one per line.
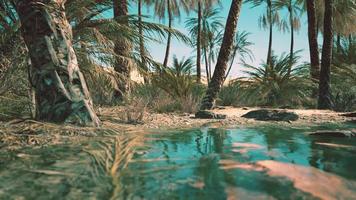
(174,120)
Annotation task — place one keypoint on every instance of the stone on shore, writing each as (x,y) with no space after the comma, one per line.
(271,115)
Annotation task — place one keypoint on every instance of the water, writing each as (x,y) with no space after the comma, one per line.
(243,163)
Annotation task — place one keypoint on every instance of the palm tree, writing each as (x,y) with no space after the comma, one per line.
(61,91)
(122,50)
(172,8)
(209,34)
(293,21)
(324,101)
(268,20)
(201,4)
(224,55)
(313,39)
(241,46)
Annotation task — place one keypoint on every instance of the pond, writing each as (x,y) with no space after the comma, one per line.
(268,162)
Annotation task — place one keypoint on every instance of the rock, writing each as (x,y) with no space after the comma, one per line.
(204,114)
(352,114)
(334,133)
(271,115)
(244,108)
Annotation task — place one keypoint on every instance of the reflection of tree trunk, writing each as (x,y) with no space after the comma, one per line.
(313,40)
(223,58)
(199,43)
(325,101)
(142,44)
(166,57)
(61,91)
(122,51)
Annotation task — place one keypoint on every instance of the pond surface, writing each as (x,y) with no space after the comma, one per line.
(207,163)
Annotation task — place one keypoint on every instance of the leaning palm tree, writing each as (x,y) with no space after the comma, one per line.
(293,22)
(241,46)
(172,8)
(267,20)
(61,91)
(324,101)
(223,58)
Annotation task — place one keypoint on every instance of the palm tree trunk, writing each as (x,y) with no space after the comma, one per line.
(223,58)
(166,57)
(313,40)
(291,53)
(269,53)
(199,43)
(60,89)
(231,63)
(142,44)
(122,50)
(325,101)
(206,64)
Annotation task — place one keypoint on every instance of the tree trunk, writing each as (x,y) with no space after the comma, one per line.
(223,58)
(122,50)
(206,64)
(142,43)
(269,53)
(231,63)
(325,101)
(291,52)
(60,89)
(199,43)
(313,40)
(166,57)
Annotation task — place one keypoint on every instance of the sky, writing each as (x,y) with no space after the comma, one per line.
(248,21)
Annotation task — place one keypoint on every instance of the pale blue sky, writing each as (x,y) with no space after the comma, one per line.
(248,22)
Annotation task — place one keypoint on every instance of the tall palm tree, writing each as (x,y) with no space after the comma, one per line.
(293,23)
(61,91)
(201,4)
(313,40)
(122,50)
(172,8)
(267,20)
(210,28)
(224,55)
(142,43)
(324,101)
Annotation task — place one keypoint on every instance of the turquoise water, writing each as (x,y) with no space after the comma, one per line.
(207,163)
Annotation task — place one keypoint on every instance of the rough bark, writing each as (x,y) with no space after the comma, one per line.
(313,40)
(122,50)
(324,101)
(142,43)
(223,58)
(199,43)
(60,89)
(169,38)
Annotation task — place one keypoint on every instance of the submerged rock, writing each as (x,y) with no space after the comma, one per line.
(334,133)
(204,114)
(271,115)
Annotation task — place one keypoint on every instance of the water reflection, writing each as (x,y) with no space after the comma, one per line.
(243,163)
